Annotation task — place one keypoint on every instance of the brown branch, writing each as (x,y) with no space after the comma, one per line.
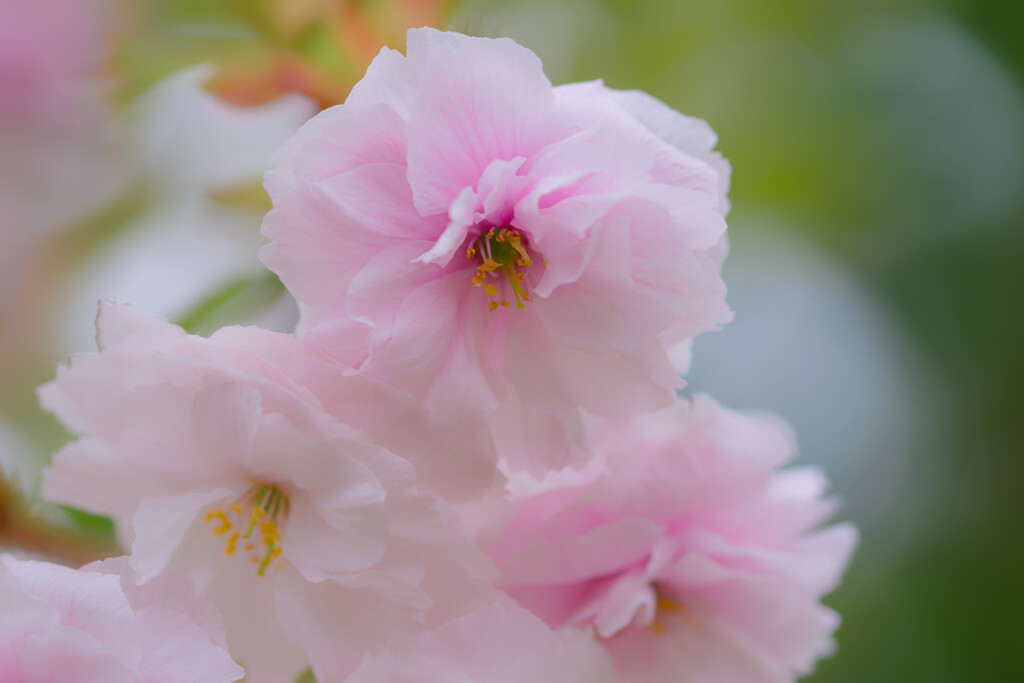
(19,529)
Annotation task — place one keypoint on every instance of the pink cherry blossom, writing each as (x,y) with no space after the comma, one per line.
(496,644)
(94,625)
(298,499)
(500,248)
(684,549)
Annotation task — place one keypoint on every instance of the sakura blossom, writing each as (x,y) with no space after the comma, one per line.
(684,548)
(95,625)
(500,643)
(503,249)
(297,499)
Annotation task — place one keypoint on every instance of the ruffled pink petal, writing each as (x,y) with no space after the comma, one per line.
(88,603)
(162,524)
(323,543)
(465,117)
(69,654)
(170,590)
(433,349)
(372,135)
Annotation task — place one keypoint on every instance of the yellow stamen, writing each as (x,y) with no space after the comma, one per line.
(502,249)
(667,605)
(265,508)
(225,523)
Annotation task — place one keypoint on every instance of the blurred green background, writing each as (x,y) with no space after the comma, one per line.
(877,265)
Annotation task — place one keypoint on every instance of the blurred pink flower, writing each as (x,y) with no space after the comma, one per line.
(500,248)
(49,49)
(57,153)
(684,549)
(94,625)
(497,644)
(251,465)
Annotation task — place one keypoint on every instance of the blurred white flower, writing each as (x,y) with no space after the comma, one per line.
(190,147)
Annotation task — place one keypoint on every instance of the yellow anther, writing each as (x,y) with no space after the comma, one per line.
(263,509)
(225,523)
(493,305)
(503,303)
(667,605)
(471,252)
(502,249)
(657,628)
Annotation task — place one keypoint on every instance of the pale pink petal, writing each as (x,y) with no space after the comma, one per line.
(683,547)
(496,644)
(69,654)
(161,525)
(465,117)
(86,602)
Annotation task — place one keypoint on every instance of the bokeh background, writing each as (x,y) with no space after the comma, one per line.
(876,266)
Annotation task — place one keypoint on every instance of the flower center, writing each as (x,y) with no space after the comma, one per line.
(255,521)
(502,252)
(666,606)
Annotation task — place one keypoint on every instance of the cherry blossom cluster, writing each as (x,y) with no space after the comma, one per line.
(470,461)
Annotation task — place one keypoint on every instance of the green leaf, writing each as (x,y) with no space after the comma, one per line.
(235,303)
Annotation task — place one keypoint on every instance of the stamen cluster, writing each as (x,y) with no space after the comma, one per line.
(501,250)
(268,509)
